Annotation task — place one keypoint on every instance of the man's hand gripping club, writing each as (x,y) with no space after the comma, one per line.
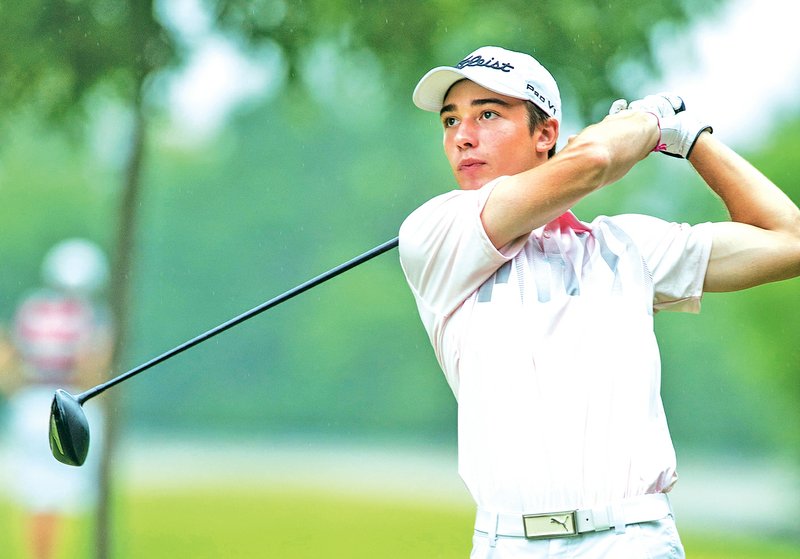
(679,127)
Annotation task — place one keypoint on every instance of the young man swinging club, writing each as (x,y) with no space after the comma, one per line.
(543,324)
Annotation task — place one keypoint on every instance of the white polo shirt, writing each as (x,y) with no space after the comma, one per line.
(548,346)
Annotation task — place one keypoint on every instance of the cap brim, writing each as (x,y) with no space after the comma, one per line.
(431,89)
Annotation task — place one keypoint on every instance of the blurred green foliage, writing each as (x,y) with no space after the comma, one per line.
(583,39)
(277,209)
(300,183)
(55,53)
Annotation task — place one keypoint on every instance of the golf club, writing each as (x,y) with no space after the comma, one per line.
(69,428)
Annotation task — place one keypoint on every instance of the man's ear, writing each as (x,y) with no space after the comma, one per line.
(548,135)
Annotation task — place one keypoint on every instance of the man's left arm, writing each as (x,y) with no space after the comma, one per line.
(761,243)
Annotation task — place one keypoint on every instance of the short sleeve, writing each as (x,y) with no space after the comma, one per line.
(445,252)
(676,256)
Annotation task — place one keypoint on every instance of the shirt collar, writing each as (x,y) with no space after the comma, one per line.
(569,220)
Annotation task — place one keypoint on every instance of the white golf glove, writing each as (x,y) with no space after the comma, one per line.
(679,128)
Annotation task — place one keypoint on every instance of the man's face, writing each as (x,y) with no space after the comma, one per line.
(486,135)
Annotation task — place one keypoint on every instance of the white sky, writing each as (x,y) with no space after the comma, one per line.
(217,78)
(742,73)
(745,72)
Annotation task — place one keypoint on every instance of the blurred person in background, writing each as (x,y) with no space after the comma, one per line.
(61,338)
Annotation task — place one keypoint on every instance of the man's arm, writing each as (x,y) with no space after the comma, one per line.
(761,243)
(600,155)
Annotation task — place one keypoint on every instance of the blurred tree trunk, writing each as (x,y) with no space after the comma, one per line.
(120,305)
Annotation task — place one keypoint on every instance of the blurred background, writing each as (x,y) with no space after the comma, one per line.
(223,151)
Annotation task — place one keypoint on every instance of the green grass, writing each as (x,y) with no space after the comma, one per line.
(708,546)
(301,523)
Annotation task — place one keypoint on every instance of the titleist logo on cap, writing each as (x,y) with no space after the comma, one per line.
(478,60)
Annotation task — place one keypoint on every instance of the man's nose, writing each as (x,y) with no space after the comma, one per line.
(466,135)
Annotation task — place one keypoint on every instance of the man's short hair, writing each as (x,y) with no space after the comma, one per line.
(536,118)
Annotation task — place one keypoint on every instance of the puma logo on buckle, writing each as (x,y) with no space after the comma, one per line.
(563,524)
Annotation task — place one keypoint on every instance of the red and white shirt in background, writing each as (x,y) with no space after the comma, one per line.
(52,333)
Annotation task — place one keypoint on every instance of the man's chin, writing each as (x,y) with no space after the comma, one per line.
(472,182)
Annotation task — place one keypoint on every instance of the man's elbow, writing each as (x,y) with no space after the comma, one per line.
(595,160)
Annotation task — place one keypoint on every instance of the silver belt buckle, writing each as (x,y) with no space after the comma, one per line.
(550,525)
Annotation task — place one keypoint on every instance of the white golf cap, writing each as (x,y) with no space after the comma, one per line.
(75,265)
(503,71)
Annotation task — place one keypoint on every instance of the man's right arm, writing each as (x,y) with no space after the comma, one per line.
(600,155)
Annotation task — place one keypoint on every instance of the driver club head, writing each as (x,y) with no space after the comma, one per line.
(69,429)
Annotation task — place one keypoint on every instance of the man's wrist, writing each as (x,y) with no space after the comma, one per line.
(701,143)
(659,146)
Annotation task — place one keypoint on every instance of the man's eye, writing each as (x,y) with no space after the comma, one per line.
(488,115)
(449,121)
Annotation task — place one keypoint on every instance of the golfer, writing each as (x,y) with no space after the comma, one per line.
(543,323)
(62,338)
